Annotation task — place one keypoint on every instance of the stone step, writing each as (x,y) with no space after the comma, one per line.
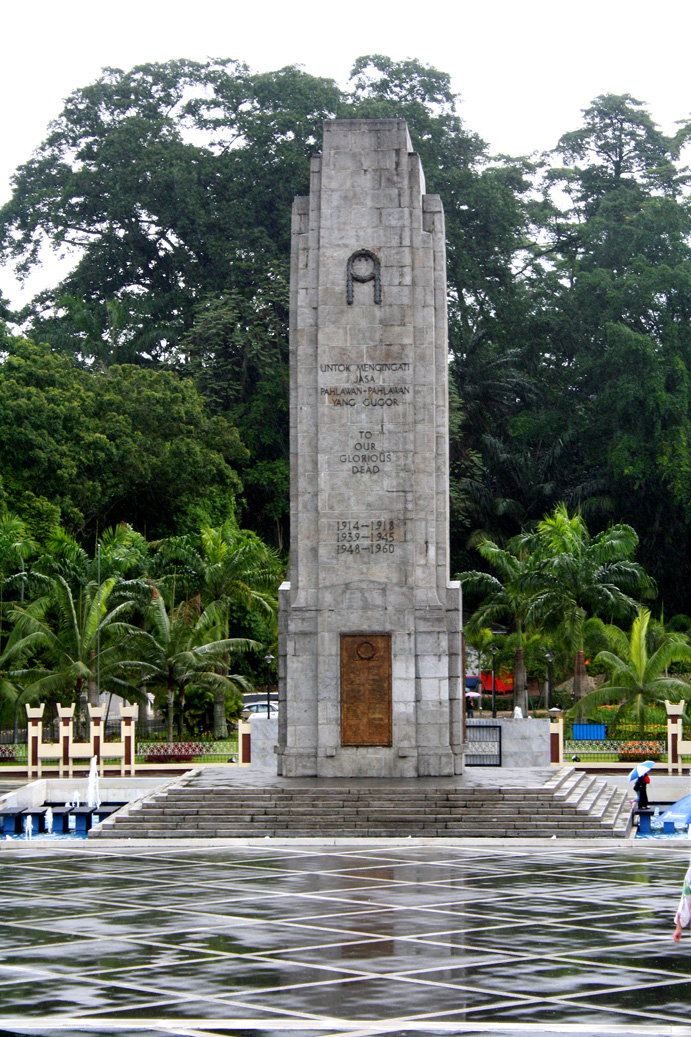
(334,826)
(391,796)
(570,785)
(618,814)
(588,801)
(580,790)
(601,800)
(558,812)
(558,779)
(542,832)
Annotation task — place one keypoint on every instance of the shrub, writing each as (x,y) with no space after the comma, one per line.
(503,702)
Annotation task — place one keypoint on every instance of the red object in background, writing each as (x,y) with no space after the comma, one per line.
(504,683)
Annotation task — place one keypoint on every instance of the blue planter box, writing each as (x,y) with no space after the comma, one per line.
(589,732)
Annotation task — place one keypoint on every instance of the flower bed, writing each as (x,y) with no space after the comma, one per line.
(636,752)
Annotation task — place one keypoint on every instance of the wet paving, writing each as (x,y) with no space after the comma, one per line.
(388,939)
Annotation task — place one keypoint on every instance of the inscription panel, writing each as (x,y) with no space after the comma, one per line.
(366,689)
(367,536)
(366,457)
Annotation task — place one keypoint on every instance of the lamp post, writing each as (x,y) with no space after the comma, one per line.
(268,659)
(549,657)
(494,651)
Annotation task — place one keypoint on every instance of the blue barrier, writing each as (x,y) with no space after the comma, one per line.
(592,732)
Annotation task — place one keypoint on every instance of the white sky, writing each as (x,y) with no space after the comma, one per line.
(524,70)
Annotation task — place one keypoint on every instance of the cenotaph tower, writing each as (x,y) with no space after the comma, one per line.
(369,624)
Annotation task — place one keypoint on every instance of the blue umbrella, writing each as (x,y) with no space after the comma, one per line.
(640,769)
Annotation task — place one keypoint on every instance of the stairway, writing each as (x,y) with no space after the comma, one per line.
(569,804)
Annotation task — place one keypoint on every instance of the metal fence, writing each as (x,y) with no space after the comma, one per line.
(483,744)
(7,736)
(625,743)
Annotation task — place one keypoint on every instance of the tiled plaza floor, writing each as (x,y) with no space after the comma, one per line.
(304,940)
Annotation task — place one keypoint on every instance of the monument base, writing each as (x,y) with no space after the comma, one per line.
(363,763)
(383,703)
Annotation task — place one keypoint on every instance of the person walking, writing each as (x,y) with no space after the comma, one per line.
(642,792)
(683,916)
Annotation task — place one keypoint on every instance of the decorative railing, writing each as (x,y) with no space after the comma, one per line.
(184,752)
(66,750)
(62,753)
(615,750)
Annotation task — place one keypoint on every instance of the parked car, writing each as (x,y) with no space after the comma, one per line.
(259,708)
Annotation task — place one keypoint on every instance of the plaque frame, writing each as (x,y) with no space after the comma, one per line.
(366,690)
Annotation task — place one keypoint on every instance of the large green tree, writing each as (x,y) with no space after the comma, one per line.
(613,334)
(102,447)
(172,185)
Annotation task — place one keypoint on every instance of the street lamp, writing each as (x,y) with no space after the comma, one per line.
(268,659)
(494,651)
(549,657)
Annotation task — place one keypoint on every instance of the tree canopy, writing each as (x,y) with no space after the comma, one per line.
(170,186)
(130,444)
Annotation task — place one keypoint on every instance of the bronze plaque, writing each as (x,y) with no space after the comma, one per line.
(365,689)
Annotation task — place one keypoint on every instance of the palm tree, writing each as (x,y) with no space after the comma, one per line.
(638,679)
(15,547)
(61,632)
(121,552)
(506,600)
(574,575)
(181,646)
(234,569)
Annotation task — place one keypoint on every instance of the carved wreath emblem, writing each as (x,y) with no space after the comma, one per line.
(363,266)
(366,650)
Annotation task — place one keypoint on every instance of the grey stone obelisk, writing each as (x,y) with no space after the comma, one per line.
(369,630)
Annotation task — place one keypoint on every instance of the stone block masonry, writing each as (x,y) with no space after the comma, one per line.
(369,629)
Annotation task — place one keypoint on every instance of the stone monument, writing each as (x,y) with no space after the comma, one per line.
(370,625)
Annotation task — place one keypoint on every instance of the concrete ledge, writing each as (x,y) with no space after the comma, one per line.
(516,846)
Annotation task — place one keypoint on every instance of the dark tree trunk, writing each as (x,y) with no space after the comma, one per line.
(580,684)
(181,717)
(520,696)
(171,704)
(92,690)
(220,724)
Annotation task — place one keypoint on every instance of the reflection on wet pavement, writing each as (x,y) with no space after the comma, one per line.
(363,939)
